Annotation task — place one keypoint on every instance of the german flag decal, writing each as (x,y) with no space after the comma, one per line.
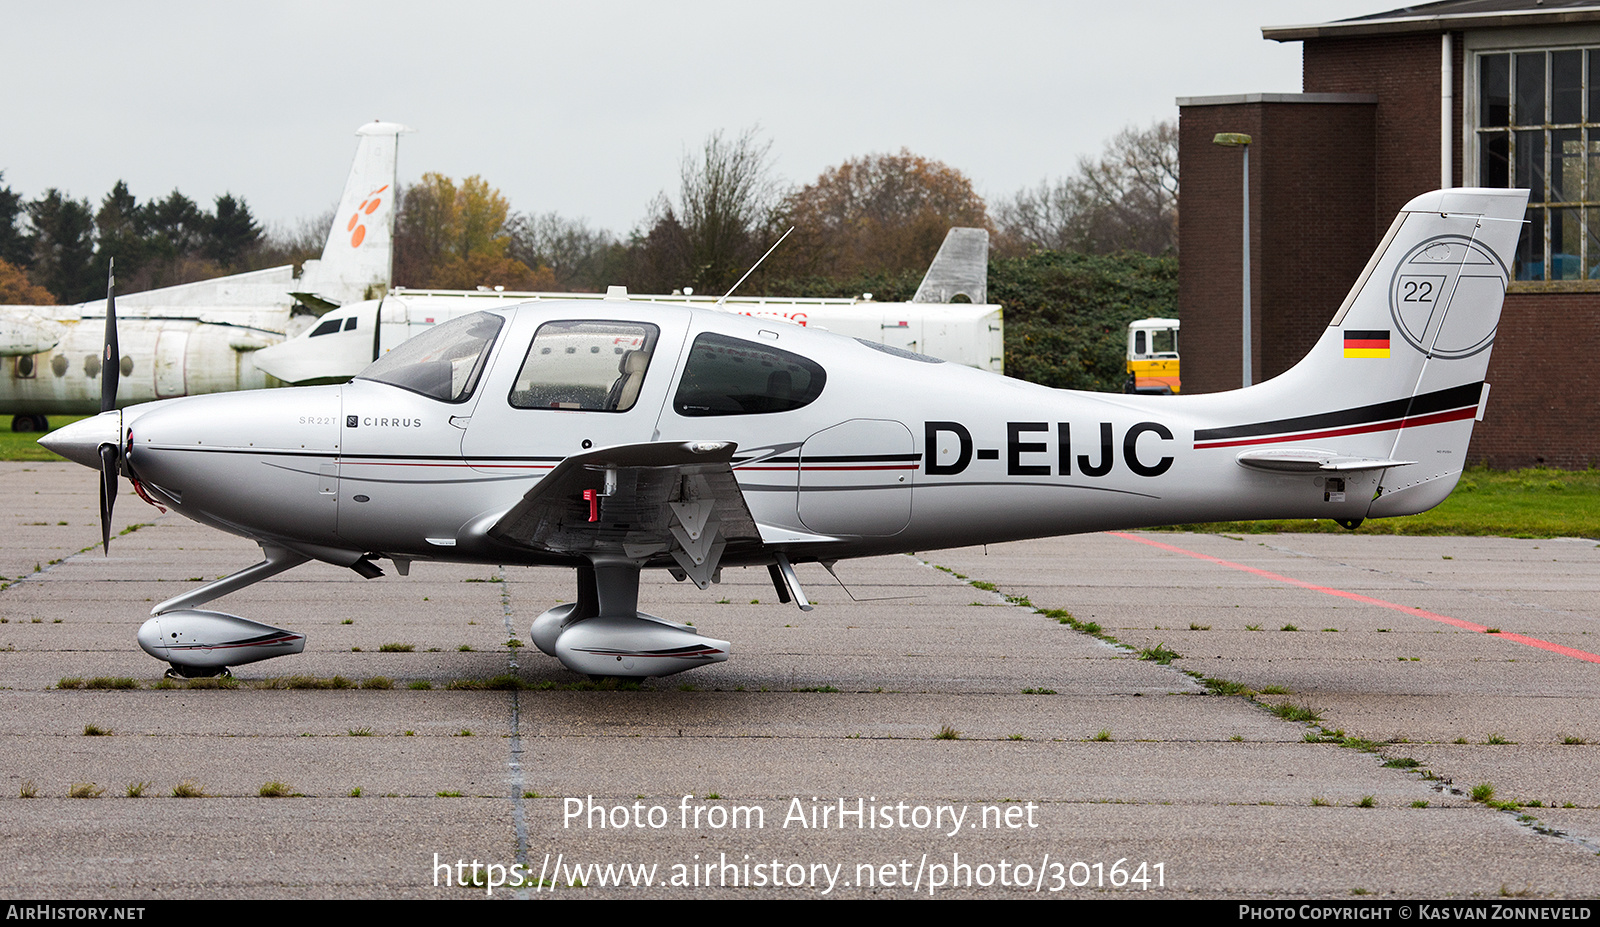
(1366,343)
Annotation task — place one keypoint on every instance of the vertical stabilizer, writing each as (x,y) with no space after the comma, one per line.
(1399,374)
(961,268)
(358,259)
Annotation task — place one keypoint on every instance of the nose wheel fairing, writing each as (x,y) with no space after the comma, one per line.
(205,643)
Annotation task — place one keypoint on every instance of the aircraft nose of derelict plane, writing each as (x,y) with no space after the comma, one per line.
(80,441)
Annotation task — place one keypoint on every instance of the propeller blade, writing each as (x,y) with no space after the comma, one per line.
(111,366)
(108,492)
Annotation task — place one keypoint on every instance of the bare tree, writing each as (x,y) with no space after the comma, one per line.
(718,227)
(1125,200)
(575,253)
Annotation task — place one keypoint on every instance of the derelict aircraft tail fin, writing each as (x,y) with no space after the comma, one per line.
(961,268)
(358,259)
(1403,361)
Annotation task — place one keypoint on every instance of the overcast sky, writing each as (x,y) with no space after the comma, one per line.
(587,108)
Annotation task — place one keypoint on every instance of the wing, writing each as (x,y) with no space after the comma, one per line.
(642,502)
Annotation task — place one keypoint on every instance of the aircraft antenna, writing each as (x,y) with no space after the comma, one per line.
(754,266)
(828,565)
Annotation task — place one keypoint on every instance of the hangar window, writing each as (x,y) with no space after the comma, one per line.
(729,376)
(1538,127)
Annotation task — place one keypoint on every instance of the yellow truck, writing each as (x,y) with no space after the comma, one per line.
(1152,356)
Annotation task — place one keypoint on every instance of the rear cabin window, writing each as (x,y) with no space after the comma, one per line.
(728,376)
(592,366)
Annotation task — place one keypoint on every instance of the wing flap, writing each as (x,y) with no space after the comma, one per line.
(639,501)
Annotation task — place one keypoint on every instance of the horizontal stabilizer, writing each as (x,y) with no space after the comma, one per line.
(1303,460)
(315,303)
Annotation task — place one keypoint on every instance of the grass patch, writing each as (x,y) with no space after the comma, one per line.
(85,790)
(1103,737)
(137,789)
(815,689)
(1402,762)
(1533,503)
(1225,687)
(1483,791)
(1357,743)
(396,648)
(1367,801)
(946,732)
(188,788)
(98,682)
(378,682)
(24,445)
(1160,653)
(1289,711)
(306,682)
(1039,691)
(276,789)
(95,730)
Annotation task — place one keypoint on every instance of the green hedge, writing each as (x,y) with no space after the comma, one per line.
(1067,314)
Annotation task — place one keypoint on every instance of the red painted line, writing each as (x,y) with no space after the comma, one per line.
(813,468)
(1418,421)
(459,466)
(1369,600)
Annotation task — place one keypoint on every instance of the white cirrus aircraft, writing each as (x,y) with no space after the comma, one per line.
(610,437)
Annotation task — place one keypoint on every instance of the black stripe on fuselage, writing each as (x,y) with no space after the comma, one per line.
(1452,398)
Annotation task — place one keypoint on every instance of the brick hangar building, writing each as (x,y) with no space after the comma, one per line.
(1455,93)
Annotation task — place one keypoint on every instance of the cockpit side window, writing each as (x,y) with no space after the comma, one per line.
(327,328)
(444,362)
(729,376)
(589,366)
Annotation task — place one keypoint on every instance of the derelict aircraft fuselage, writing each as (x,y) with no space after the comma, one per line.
(614,437)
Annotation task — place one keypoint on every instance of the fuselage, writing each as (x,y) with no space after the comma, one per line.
(893,452)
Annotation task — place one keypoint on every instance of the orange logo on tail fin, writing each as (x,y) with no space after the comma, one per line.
(358,232)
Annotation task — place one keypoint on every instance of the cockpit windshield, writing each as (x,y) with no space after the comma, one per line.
(444,363)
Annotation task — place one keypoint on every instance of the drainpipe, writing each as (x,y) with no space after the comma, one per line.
(1446,110)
